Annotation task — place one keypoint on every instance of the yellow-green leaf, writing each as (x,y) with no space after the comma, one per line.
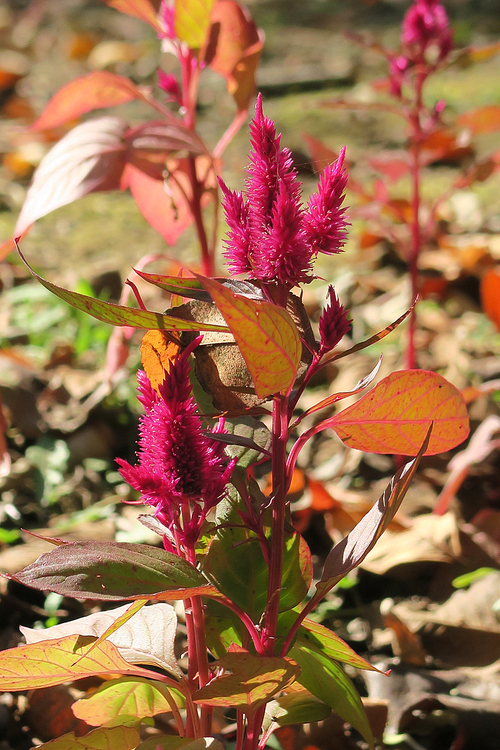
(105,738)
(53,662)
(192,20)
(267,337)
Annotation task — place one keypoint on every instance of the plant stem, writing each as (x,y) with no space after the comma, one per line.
(207,261)
(279,487)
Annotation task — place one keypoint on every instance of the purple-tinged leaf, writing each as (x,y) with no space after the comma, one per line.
(90,158)
(119,315)
(352,550)
(149,144)
(110,571)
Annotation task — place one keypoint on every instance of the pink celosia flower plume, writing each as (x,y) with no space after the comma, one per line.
(272,236)
(426,23)
(333,323)
(178,464)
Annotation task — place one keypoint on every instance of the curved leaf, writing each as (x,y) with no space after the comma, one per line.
(481,120)
(328,682)
(141,9)
(301,707)
(89,158)
(96,90)
(119,315)
(266,336)
(253,680)
(395,416)
(176,743)
(105,738)
(53,662)
(110,571)
(128,696)
(331,645)
(147,638)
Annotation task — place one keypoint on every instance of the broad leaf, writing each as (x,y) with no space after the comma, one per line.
(266,336)
(96,90)
(89,158)
(331,645)
(252,435)
(53,662)
(328,682)
(193,288)
(395,416)
(147,638)
(105,738)
(234,49)
(252,682)
(236,566)
(118,315)
(110,571)
(142,9)
(481,120)
(192,20)
(223,628)
(149,144)
(128,696)
(297,707)
(360,386)
(352,550)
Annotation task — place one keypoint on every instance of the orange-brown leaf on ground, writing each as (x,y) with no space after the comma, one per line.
(267,337)
(233,49)
(395,416)
(490,295)
(96,90)
(144,10)
(65,659)
(481,120)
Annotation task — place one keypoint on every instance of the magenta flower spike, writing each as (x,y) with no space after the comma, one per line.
(425,23)
(272,237)
(333,323)
(177,462)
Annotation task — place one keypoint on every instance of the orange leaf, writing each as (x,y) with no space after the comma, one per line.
(158,350)
(56,661)
(481,120)
(142,9)
(95,90)
(490,296)
(266,335)
(395,416)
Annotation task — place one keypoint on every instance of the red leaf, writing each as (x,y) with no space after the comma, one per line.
(395,416)
(142,9)
(163,205)
(151,143)
(88,159)
(481,120)
(234,48)
(393,166)
(490,296)
(93,91)
(321,154)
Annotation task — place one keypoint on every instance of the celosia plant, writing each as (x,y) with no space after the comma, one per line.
(229,551)
(432,135)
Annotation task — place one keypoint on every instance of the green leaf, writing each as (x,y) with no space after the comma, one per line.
(253,431)
(295,708)
(119,315)
(328,682)
(253,680)
(128,696)
(223,628)
(266,335)
(53,662)
(176,743)
(236,566)
(112,571)
(465,580)
(331,645)
(104,738)
(192,21)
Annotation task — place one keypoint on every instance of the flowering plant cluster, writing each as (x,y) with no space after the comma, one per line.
(229,551)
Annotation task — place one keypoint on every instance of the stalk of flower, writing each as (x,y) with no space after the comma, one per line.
(181,471)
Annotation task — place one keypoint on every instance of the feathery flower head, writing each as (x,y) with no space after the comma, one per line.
(426,23)
(272,237)
(177,462)
(333,323)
